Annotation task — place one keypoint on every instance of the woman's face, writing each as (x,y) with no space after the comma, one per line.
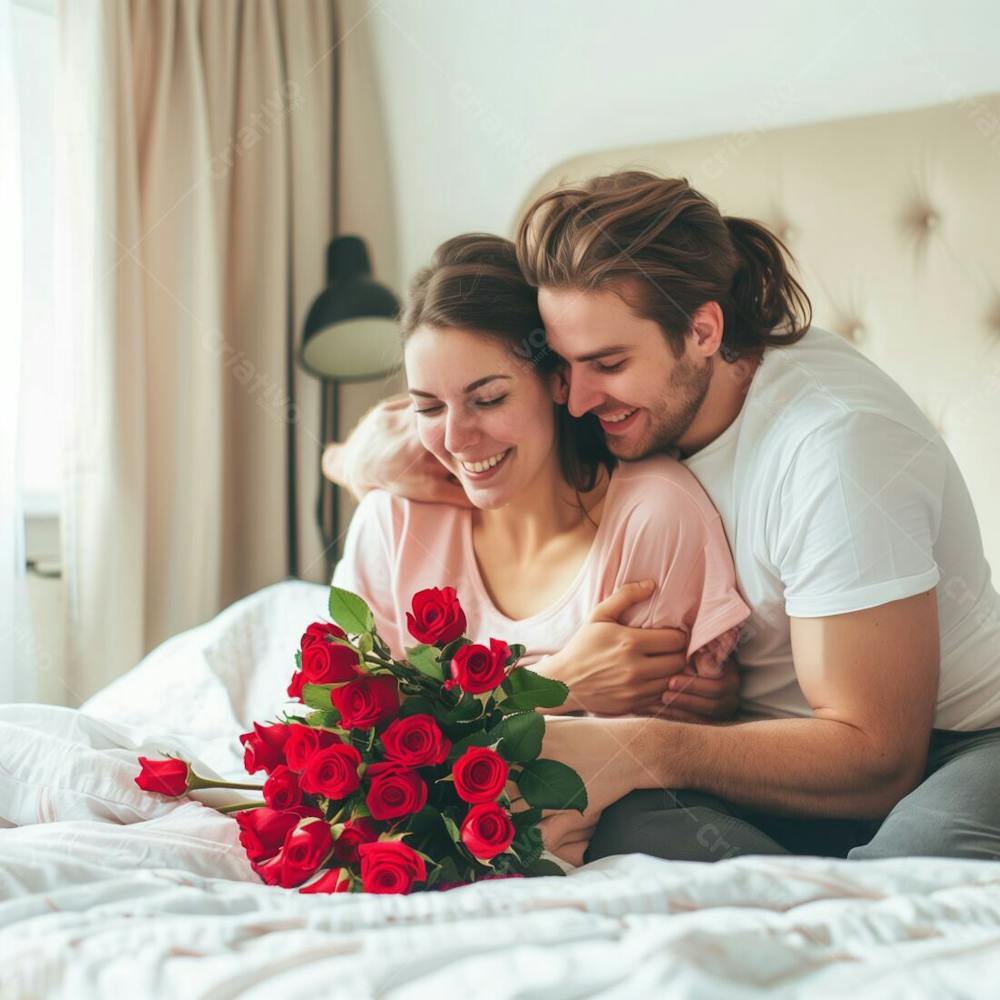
(484,413)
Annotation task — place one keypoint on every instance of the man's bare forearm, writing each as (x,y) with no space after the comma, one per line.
(802,767)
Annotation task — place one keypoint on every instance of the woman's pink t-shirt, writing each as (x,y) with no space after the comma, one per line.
(657,523)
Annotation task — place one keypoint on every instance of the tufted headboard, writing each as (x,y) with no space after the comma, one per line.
(894,220)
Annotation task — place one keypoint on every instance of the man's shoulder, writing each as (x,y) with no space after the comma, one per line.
(822,390)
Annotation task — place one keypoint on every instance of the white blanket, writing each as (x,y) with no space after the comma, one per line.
(107,891)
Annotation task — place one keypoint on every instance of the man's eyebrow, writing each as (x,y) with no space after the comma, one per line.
(603,352)
(469,388)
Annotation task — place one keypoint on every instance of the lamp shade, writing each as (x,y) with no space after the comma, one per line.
(351,332)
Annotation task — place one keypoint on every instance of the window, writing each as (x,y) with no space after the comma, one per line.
(42,397)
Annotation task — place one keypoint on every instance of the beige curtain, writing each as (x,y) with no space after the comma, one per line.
(195,186)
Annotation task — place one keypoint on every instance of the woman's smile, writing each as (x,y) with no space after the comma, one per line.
(485,468)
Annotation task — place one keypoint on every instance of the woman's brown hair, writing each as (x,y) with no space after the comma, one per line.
(666,249)
(473,283)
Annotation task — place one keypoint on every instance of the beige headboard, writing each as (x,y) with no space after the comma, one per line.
(895,222)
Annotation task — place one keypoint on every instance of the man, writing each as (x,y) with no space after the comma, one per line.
(870,717)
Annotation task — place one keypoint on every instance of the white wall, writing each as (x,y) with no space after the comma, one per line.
(480,97)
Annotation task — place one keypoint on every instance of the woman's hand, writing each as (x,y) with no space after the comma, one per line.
(384,452)
(603,753)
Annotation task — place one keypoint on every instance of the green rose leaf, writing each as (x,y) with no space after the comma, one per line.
(317,695)
(416,705)
(325,718)
(527,845)
(425,659)
(423,822)
(478,739)
(452,827)
(350,612)
(469,709)
(453,647)
(447,871)
(516,652)
(530,690)
(550,784)
(521,736)
(526,817)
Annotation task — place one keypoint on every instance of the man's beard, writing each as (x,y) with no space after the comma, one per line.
(673,415)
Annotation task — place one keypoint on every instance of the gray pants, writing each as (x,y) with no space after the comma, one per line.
(954,812)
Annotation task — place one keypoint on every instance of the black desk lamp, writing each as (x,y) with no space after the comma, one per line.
(351,335)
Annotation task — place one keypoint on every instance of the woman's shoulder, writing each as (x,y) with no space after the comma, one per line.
(395,515)
(660,484)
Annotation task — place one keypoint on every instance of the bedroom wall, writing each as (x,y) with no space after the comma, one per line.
(473,101)
(479,98)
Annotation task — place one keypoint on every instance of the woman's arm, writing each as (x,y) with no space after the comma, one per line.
(674,661)
(613,669)
(366,566)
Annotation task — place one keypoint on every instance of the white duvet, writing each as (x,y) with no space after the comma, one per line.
(106,891)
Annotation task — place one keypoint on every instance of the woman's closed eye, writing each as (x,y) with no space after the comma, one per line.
(429,411)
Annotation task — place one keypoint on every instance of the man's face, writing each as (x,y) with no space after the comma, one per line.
(620,367)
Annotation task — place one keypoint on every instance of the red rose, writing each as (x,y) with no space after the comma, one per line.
(487,830)
(168,777)
(332,771)
(366,702)
(480,775)
(264,747)
(477,669)
(437,617)
(329,663)
(395,791)
(295,685)
(416,741)
(305,848)
(281,790)
(355,833)
(332,880)
(263,830)
(390,866)
(303,741)
(320,632)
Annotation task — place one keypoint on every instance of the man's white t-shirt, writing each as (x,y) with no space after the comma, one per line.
(837,494)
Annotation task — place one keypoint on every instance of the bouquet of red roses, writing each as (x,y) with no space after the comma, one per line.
(405,773)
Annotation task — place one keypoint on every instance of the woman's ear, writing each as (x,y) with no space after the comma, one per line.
(559,387)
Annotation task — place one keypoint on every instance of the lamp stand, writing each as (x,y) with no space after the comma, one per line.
(328,497)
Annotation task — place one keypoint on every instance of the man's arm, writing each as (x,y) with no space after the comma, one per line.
(871,678)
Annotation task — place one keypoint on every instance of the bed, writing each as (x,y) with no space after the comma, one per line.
(107,891)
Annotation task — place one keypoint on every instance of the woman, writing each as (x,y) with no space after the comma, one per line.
(556,526)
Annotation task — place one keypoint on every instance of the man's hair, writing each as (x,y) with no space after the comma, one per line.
(666,250)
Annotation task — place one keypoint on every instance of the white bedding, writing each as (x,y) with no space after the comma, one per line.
(106,891)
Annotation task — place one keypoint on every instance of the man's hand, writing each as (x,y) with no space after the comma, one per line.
(690,698)
(612,669)
(602,752)
(384,452)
